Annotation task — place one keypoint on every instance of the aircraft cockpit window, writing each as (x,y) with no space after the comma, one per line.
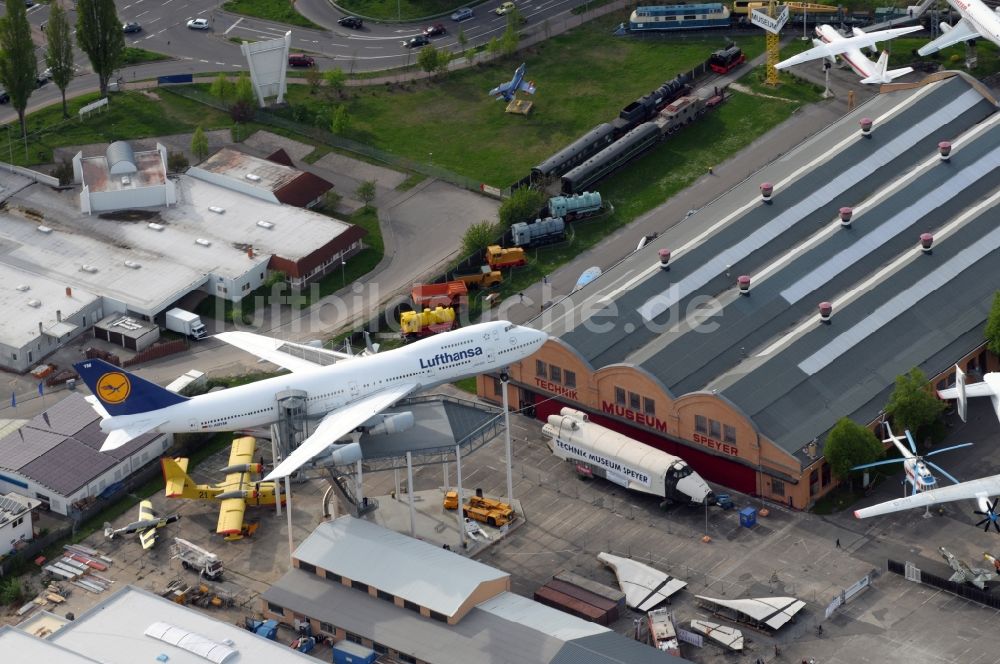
(508,328)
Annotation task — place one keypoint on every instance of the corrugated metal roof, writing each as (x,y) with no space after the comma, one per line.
(416,571)
(532,614)
(482,636)
(60,449)
(121,158)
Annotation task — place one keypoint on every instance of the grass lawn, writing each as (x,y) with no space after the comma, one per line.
(128,115)
(581,82)
(137,56)
(281,11)
(410,10)
(466,385)
(903,52)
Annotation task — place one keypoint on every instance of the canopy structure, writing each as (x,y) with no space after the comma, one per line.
(758,612)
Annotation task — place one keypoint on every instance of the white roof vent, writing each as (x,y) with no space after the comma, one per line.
(88,268)
(216,209)
(34,303)
(126,180)
(133,265)
(154,226)
(253,177)
(203,242)
(265,224)
(44,229)
(23,288)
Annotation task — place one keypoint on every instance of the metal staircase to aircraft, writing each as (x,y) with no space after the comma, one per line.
(342,485)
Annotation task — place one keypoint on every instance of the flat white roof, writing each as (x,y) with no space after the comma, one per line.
(114,632)
(170,261)
(268,175)
(97,173)
(21,316)
(422,573)
(27,648)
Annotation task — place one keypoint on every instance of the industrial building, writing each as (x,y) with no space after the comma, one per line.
(273,179)
(420,603)
(15,521)
(40,315)
(55,457)
(741,335)
(134,625)
(127,332)
(123,179)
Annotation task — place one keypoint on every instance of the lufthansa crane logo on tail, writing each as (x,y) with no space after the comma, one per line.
(113,387)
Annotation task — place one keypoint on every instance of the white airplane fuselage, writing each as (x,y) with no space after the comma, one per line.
(983,19)
(439,359)
(855,59)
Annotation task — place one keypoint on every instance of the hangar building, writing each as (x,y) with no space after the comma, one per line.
(417,602)
(723,358)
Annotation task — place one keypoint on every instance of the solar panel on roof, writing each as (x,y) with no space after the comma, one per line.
(892,227)
(658,304)
(901,302)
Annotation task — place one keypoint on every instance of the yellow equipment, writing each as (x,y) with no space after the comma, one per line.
(498,257)
(236,491)
(488,510)
(485,278)
(451,500)
(427,322)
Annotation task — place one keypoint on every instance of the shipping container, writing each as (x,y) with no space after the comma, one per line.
(570,605)
(614,594)
(576,592)
(348,652)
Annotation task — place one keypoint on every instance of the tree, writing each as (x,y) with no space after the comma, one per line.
(199,144)
(335,80)
(244,98)
(511,35)
(444,58)
(221,87)
(176,162)
(99,34)
(427,58)
(522,205)
(849,445)
(314,78)
(463,42)
(340,120)
(366,192)
(993,327)
(18,69)
(912,404)
(494,48)
(478,237)
(59,50)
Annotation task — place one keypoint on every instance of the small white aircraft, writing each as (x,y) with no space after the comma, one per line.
(977,20)
(830,43)
(917,473)
(346,395)
(990,387)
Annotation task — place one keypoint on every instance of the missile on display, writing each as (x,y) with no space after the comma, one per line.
(601,452)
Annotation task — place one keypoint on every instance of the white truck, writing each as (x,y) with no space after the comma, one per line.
(192,556)
(185,322)
(601,452)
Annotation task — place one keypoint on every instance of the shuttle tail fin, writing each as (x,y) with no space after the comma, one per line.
(122,393)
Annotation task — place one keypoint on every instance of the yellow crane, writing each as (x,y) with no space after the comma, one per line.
(771,43)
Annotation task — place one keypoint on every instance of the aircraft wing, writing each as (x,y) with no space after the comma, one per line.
(961,31)
(147,537)
(240,453)
(986,486)
(527,86)
(500,89)
(338,423)
(971,390)
(231,516)
(844,45)
(281,352)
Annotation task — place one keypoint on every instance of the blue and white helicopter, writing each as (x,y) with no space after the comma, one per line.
(915,466)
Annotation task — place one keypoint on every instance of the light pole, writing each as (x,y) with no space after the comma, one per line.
(505,380)
(343,272)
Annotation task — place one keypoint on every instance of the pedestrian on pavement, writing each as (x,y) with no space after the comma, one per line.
(838,542)
(521,295)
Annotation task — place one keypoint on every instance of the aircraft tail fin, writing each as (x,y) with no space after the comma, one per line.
(963,402)
(178,484)
(528,86)
(121,392)
(879,74)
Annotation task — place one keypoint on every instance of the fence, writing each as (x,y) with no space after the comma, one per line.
(156,352)
(961,589)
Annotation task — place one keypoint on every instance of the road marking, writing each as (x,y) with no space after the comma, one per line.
(142,14)
(152,21)
(237,66)
(126,7)
(205,61)
(221,63)
(168,2)
(232,26)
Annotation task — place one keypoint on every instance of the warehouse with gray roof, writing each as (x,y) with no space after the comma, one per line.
(742,334)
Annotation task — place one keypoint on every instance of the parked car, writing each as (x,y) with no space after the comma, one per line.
(198,24)
(131,26)
(414,42)
(434,30)
(40,80)
(505,8)
(301,60)
(352,22)
(4,97)
(463,14)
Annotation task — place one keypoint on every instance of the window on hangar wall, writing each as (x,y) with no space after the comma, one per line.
(620,396)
